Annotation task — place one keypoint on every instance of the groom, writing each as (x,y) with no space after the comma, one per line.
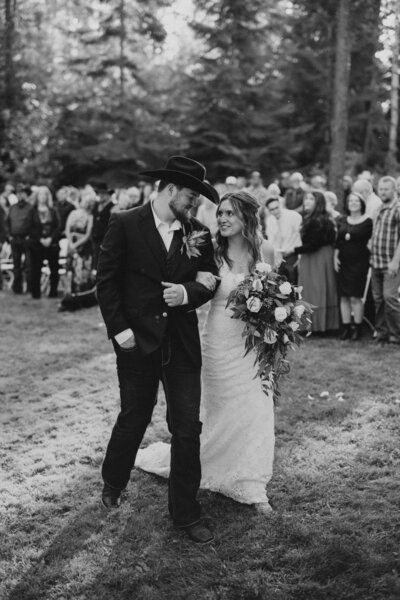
(148,295)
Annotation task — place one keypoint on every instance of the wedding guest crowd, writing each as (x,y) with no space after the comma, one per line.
(344,252)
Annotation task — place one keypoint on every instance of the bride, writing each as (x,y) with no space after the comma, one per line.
(237,441)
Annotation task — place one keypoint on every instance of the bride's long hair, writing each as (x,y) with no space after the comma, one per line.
(245,207)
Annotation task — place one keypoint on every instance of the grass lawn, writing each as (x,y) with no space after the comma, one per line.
(335,532)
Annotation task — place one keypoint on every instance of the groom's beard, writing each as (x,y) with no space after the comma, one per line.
(182,215)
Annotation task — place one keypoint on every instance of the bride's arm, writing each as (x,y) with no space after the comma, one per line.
(207,279)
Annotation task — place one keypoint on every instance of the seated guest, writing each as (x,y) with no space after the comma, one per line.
(295,194)
(352,263)
(316,272)
(21,227)
(45,242)
(282,229)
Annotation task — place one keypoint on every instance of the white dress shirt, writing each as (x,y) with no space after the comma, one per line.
(166,232)
(284,233)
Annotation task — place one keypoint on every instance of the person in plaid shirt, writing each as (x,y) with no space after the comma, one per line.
(385,261)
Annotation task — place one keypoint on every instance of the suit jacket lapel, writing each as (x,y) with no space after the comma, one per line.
(151,236)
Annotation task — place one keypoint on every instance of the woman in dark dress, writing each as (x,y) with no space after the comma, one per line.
(316,272)
(352,263)
(45,242)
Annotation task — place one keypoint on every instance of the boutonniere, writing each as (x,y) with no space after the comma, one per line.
(192,241)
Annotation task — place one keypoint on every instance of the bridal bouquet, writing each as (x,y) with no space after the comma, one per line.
(275,315)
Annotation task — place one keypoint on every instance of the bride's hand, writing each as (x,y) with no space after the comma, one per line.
(207,279)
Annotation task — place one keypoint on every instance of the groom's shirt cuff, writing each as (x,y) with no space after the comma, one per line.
(123,336)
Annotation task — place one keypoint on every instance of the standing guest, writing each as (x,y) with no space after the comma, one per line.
(134,196)
(257,189)
(284,182)
(318,182)
(282,227)
(146,193)
(21,227)
(241,182)
(385,261)
(316,271)
(273,191)
(63,206)
(81,279)
(44,192)
(231,184)
(372,201)
(124,201)
(101,216)
(366,176)
(352,258)
(347,183)
(295,194)
(3,238)
(8,197)
(45,242)
(398,187)
(331,204)
(207,215)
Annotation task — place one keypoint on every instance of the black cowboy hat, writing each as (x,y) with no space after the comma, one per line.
(186,172)
(100,186)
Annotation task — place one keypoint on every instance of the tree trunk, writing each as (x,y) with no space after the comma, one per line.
(391,159)
(374,84)
(122,51)
(9,84)
(339,124)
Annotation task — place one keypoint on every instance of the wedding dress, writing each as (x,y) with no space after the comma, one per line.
(237,441)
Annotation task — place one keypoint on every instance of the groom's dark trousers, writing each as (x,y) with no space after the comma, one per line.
(132,264)
(139,377)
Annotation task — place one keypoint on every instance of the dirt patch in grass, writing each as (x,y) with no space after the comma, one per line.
(335,532)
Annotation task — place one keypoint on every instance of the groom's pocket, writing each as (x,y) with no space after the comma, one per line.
(128,350)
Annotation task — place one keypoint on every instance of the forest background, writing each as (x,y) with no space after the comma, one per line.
(106,88)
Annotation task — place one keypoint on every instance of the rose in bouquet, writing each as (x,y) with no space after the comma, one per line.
(275,318)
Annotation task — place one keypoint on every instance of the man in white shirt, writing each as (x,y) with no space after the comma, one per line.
(282,229)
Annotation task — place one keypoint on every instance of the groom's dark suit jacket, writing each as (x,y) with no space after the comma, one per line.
(133,261)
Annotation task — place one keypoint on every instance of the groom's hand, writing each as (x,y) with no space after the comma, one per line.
(173,294)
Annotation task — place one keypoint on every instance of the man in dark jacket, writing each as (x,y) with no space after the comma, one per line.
(101,216)
(21,228)
(148,295)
